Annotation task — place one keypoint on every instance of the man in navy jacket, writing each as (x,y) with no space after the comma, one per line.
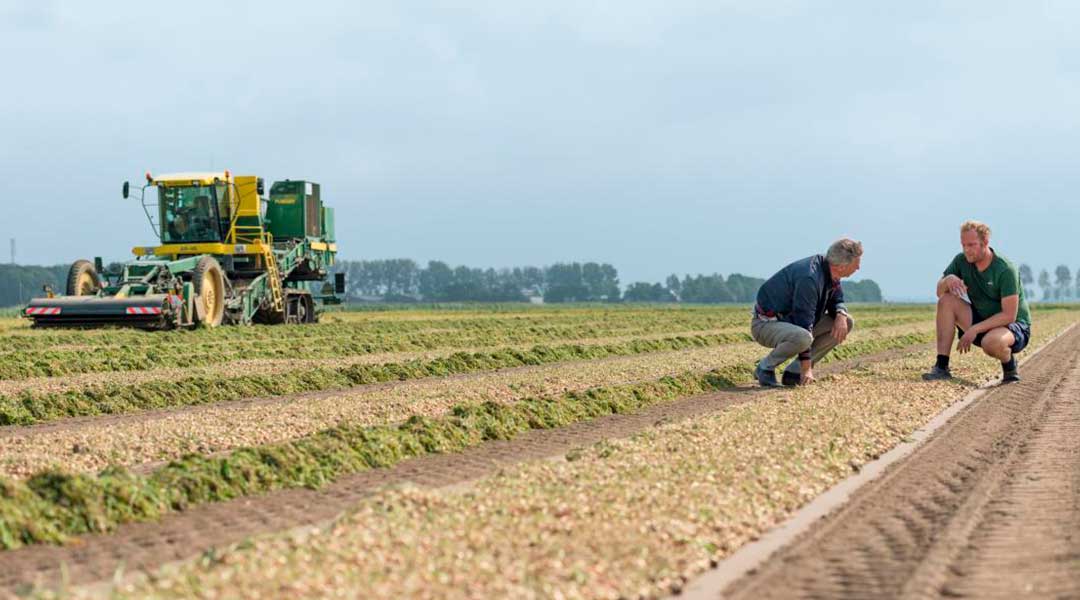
(800,313)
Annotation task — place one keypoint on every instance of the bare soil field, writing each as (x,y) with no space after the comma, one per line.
(989,508)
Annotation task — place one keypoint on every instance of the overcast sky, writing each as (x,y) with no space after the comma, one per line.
(661,137)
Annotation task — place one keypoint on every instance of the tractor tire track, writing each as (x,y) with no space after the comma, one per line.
(988,508)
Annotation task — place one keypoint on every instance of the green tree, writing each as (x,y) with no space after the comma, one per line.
(435,280)
(1044,283)
(706,289)
(565,283)
(674,285)
(1064,282)
(646,292)
(602,282)
(865,290)
(744,288)
(1026,280)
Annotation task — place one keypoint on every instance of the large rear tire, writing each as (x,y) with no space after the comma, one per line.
(82,279)
(209,282)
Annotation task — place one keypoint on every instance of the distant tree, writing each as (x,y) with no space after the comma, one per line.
(602,281)
(1044,283)
(706,289)
(435,280)
(565,284)
(20,283)
(866,290)
(646,292)
(532,280)
(1064,282)
(1026,279)
(744,288)
(674,285)
(1076,290)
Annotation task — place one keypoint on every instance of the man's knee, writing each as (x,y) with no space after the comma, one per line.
(804,339)
(996,342)
(949,302)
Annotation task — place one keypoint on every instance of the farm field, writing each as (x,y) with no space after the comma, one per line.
(106,435)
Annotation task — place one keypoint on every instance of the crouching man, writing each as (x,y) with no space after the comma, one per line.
(980,296)
(800,313)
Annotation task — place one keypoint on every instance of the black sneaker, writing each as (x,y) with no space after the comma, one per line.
(937,373)
(1010,376)
(790,379)
(765,378)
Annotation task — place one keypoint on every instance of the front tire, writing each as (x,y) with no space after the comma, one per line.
(82,279)
(209,282)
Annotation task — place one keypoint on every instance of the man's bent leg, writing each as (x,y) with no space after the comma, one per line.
(785,339)
(952,312)
(824,342)
(998,343)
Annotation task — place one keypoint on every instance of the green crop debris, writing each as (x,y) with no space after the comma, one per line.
(74,504)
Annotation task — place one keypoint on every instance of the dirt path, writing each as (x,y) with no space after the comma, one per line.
(988,508)
(181,536)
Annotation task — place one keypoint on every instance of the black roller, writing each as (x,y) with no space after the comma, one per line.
(149,312)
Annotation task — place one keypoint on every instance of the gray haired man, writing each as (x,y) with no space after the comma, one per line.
(799,310)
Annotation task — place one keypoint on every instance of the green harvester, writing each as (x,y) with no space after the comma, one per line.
(227,255)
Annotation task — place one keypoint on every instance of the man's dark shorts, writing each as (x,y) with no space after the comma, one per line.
(1021,332)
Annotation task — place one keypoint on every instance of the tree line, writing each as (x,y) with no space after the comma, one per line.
(404,280)
(1060,287)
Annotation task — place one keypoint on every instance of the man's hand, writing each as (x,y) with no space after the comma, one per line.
(955,285)
(840,328)
(806,374)
(966,340)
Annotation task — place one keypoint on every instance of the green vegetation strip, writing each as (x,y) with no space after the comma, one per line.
(186,352)
(29,407)
(50,353)
(52,505)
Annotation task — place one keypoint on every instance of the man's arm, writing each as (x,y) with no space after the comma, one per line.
(803,313)
(1009,307)
(836,303)
(950,282)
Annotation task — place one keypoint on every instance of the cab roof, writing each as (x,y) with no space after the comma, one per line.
(189,178)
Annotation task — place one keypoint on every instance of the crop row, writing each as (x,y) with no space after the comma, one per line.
(31,406)
(636,517)
(573,323)
(51,505)
(156,351)
(388,326)
(140,438)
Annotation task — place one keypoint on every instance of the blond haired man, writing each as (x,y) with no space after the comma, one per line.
(980,296)
(800,313)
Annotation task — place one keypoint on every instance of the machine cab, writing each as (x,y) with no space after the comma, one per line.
(193,212)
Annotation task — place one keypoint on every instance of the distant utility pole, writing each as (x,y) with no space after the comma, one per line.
(12,250)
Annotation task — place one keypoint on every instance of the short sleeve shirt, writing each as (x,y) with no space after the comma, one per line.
(987,288)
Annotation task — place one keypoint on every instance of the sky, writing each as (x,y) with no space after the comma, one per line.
(661,137)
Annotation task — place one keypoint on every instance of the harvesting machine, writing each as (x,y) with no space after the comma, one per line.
(227,256)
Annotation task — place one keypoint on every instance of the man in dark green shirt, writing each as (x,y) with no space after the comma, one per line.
(980,296)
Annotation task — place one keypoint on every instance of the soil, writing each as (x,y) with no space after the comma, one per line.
(988,508)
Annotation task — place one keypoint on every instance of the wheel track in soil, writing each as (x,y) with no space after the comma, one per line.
(988,508)
(184,535)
